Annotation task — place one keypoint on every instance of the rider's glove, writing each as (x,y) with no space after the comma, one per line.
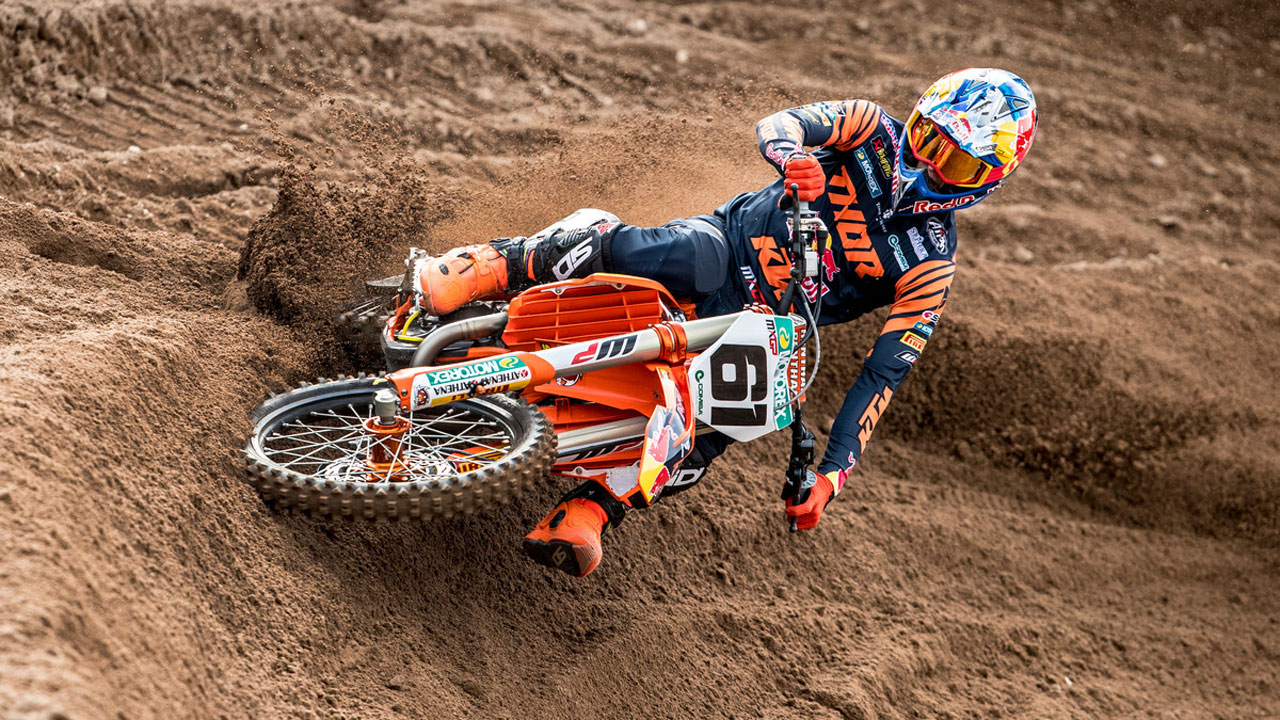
(804,170)
(808,511)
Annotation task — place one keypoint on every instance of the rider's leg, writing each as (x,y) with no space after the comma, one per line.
(512,264)
(561,255)
(707,446)
(690,257)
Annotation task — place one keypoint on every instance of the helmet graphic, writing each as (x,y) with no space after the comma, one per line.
(967,133)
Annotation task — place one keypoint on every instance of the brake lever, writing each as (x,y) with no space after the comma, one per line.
(799,482)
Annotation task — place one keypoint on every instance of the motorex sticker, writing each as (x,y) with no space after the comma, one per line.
(481,377)
(865,163)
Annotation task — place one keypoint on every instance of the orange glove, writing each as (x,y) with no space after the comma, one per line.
(804,170)
(809,512)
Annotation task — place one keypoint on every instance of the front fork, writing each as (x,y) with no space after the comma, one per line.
(386,432)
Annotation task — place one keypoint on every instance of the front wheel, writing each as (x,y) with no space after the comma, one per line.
(311,449)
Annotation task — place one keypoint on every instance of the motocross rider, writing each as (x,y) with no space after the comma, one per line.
(886,190)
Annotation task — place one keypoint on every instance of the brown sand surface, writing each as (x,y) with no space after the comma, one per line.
(1072,510)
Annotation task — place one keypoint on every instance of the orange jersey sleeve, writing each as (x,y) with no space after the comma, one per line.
(844,124)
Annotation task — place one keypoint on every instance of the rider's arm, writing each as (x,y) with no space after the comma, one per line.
(845,124)
(919,296)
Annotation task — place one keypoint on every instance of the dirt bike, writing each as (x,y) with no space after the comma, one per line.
(606,377)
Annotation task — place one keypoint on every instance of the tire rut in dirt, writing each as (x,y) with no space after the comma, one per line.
(340,487)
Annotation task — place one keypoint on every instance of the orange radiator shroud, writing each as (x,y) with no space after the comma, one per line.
(598,306)
(602,305)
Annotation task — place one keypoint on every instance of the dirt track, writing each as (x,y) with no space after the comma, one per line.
(1073,509)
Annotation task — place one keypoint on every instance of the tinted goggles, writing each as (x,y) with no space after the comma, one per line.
(934,148)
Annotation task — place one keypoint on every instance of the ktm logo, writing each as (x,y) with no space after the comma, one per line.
(773,264)
(871,415)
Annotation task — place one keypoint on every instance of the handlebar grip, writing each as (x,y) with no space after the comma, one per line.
(798,490)
(791,198)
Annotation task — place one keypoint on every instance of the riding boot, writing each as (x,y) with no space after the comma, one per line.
(459,276)
(511,265)
(568,538)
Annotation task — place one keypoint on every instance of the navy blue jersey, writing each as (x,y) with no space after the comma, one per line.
(875,258)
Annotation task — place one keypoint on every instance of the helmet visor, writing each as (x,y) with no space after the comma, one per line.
(931,146)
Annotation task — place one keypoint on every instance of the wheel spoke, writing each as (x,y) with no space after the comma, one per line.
(333,442)
(322,448)
(326,442)
(348,435)
(321,430)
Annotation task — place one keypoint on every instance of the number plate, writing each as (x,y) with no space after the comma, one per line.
(739,384)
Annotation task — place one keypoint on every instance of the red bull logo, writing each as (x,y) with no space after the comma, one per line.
(828,261)
(926,206)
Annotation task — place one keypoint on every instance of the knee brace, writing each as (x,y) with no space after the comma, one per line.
(566,254)
(707,446)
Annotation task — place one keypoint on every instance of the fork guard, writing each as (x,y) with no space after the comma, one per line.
(668,437)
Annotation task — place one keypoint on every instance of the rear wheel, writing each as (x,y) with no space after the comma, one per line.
(365,316)
(359,328)
(360,323)
(312,449)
